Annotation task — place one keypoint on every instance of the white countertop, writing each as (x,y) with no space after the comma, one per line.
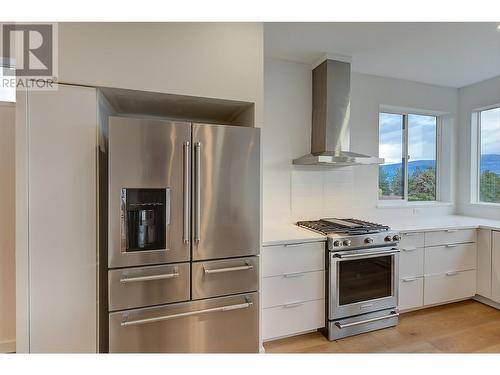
(290,233)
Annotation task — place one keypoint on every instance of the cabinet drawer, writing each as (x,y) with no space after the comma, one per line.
(450,236)
(292,319)
(224,277)
(292,258)
(411,293)
(448,287)
(147,286)
(411,262)
(411,240)
(291,288)
(454,257)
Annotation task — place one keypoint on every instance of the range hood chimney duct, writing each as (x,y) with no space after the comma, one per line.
(331,105)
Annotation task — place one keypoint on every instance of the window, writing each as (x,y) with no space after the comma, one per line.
(408,143)
(489,155)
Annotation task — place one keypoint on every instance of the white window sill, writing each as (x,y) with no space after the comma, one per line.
(405,204)
(485,204)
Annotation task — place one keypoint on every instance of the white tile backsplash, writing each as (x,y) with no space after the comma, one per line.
(320,193)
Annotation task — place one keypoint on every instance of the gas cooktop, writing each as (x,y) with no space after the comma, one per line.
(343,226)
(352,234)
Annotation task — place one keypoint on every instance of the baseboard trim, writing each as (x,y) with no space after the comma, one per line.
(486,301)
(435,305)
(8,346)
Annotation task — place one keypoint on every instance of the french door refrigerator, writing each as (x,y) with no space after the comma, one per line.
(183,236)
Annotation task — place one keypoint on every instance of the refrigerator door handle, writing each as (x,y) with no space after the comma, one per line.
(197,227)
(187,172)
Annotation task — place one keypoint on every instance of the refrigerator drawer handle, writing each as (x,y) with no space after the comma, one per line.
(347,325)
(197,227)
(238,306)
(229,269)
(187,173)
(125,280)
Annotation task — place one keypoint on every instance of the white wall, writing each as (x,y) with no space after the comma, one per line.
(473,97)
(298,192)
(7,228)
(217,60)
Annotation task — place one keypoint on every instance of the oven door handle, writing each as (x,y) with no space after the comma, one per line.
(363,255)
(393,314)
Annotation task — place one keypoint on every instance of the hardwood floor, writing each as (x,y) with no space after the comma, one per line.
(462,327)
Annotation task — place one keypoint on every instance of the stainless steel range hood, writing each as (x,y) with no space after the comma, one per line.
(331,101)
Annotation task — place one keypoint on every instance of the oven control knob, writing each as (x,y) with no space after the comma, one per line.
(368,240)
(388,239)
(347,243)
(337,243)
(396,237)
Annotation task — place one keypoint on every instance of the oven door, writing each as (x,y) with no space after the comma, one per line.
(362,281)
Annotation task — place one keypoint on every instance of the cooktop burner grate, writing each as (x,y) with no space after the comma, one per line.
(343,226)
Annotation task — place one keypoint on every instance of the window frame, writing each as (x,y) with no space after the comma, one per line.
(439,123)
(476,156)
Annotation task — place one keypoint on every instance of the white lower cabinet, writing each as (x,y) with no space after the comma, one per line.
(411,262)
(292,289)
(436,267)
(453,257)
(411,293)
(495,266)
(484,263)
(449,287)
(292,319)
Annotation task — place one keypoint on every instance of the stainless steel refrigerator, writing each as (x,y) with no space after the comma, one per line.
(182,236)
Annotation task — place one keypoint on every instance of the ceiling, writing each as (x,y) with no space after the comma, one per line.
(444,54)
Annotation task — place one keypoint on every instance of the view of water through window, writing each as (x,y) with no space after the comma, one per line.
(489,161)
(421,146)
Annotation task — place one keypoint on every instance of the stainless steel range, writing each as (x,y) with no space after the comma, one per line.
(363,272)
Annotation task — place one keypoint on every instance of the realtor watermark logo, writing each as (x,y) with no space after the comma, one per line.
(31,49)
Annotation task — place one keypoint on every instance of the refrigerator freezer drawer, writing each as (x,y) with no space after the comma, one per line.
(218,325)
(148,286)
(224,277)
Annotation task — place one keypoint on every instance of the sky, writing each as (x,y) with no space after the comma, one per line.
(422,135)
(490,131)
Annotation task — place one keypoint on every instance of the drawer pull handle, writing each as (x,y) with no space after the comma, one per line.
(229,269)
(393,314)
(291,305)
(408,249)
(448,246)
(239,306)
(410,234)
(410,279)
(451,273)
(293,245)
(296,274)
(125,280)
(451,230)
(366,306)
